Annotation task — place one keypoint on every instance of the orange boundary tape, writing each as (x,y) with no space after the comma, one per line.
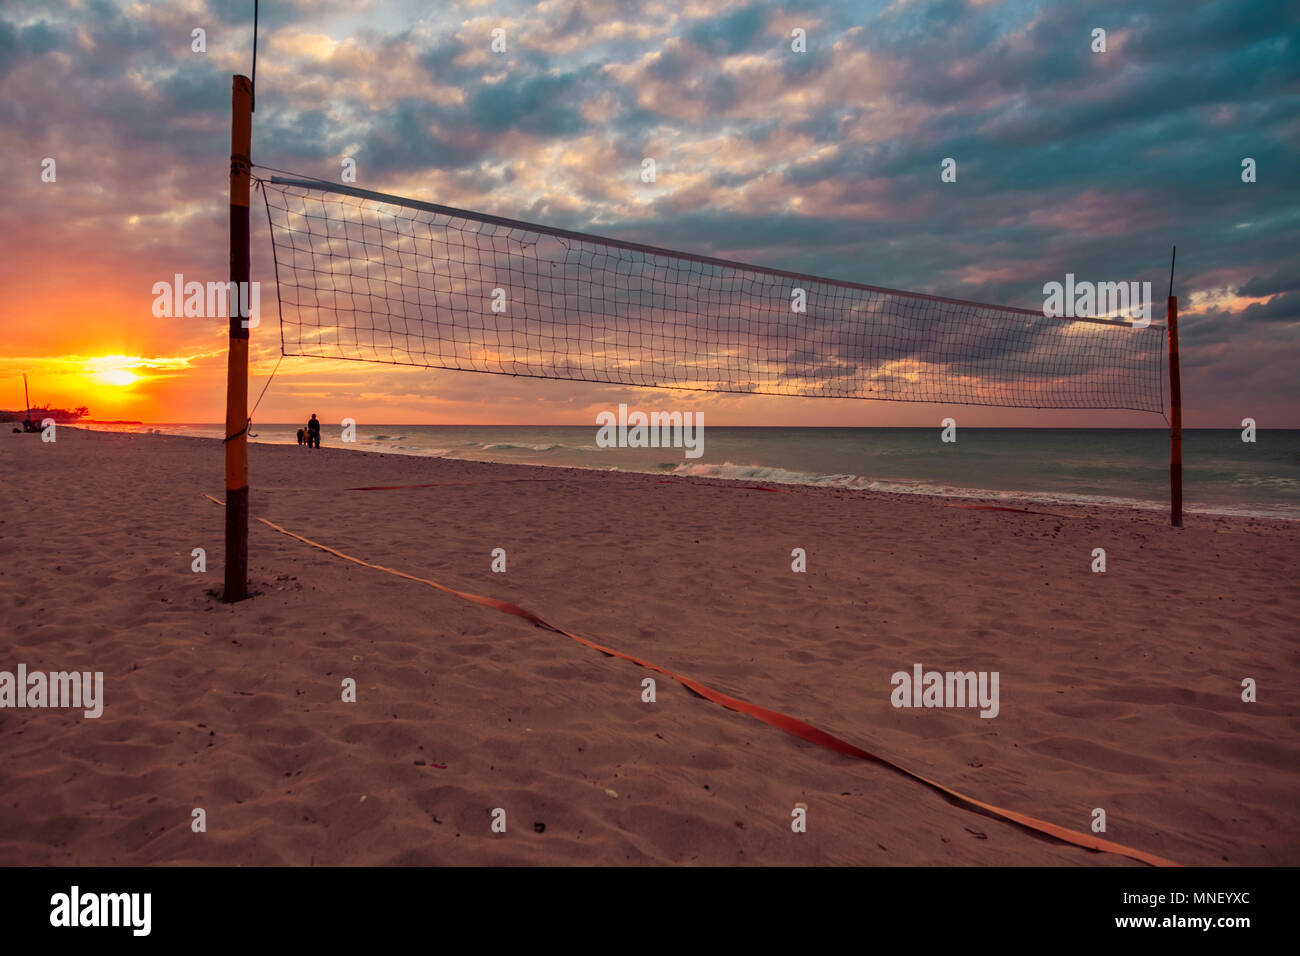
(445,484)
(497,481)
(790,725)
(1020,511)
(776,491)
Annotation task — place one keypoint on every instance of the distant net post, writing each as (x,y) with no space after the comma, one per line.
(1175,420)
(241,134)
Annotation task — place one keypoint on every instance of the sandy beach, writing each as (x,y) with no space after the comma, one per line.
(1118,690)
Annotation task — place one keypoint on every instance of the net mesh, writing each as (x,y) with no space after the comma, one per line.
(377,278)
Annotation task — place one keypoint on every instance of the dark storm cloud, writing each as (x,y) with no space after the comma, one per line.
(1288,281)
(546,105)
(35,39)
(732,32)
(1280,308)
(440,54)
(672,63)
(404,140)
(200,87)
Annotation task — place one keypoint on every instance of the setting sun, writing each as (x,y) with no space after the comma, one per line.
(116,377)
(115,370)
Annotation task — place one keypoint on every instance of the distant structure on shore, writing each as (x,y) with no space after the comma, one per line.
(61,415)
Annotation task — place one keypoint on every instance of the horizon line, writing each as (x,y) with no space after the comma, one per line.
(1159,428)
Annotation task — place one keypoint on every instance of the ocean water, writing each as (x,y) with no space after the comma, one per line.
(1115,467)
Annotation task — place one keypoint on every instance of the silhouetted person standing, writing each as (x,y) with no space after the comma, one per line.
(313,432)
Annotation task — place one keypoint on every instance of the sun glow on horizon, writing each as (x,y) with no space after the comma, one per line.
(117,376)
(110,384)
(113,370)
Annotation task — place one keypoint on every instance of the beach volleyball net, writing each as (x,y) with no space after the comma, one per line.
(370,277)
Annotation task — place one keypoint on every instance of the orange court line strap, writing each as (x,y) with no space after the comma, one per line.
(790,725)
(497,481)
(445,484)
(1022,511)
(778,491)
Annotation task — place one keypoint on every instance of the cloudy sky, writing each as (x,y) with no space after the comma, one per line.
(826,162)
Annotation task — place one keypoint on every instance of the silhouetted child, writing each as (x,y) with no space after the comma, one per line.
(302,436)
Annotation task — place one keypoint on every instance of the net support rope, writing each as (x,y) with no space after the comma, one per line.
(366,276)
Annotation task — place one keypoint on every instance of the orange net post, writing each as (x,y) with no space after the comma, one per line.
(241,135)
